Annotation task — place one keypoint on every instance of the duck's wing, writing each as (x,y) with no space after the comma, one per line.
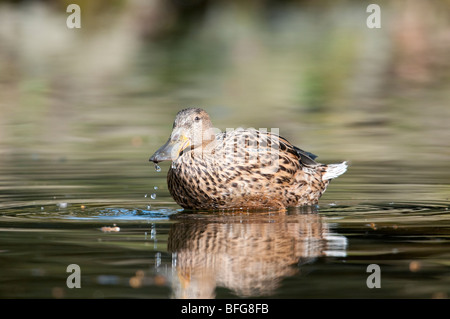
(266,138)
(305,153)
(305,157)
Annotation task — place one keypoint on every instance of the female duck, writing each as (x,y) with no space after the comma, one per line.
(240,168)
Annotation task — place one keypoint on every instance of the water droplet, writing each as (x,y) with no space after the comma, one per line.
(149,206)
(156,187)
(153,196)
(157,168)
(157,259)
(145,195)
(153,232)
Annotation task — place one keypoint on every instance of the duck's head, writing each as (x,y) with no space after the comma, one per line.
(192,129)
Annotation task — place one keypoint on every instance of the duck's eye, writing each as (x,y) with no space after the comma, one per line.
(197,118)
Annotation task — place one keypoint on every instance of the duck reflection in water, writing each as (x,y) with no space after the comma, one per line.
(247,253)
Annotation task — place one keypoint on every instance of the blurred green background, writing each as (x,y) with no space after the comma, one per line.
(105,95)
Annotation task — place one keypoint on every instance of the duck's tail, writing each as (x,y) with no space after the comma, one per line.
(334,170)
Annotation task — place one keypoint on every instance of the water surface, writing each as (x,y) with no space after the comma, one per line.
(139,247)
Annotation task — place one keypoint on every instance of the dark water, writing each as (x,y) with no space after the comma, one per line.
(82,110)
(159,251)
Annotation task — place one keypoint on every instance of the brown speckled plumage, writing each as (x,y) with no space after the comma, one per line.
(250,254)
(239,168)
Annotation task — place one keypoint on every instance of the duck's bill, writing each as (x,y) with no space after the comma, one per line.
(170,151)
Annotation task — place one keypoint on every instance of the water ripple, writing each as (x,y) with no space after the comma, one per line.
(115,213)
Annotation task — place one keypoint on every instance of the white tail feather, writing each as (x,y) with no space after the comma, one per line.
(335,170)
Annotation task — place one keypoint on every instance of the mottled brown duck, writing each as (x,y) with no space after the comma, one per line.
(239,168)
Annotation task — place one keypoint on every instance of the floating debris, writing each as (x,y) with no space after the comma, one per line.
(415,266)
(137,280)
(107,229)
